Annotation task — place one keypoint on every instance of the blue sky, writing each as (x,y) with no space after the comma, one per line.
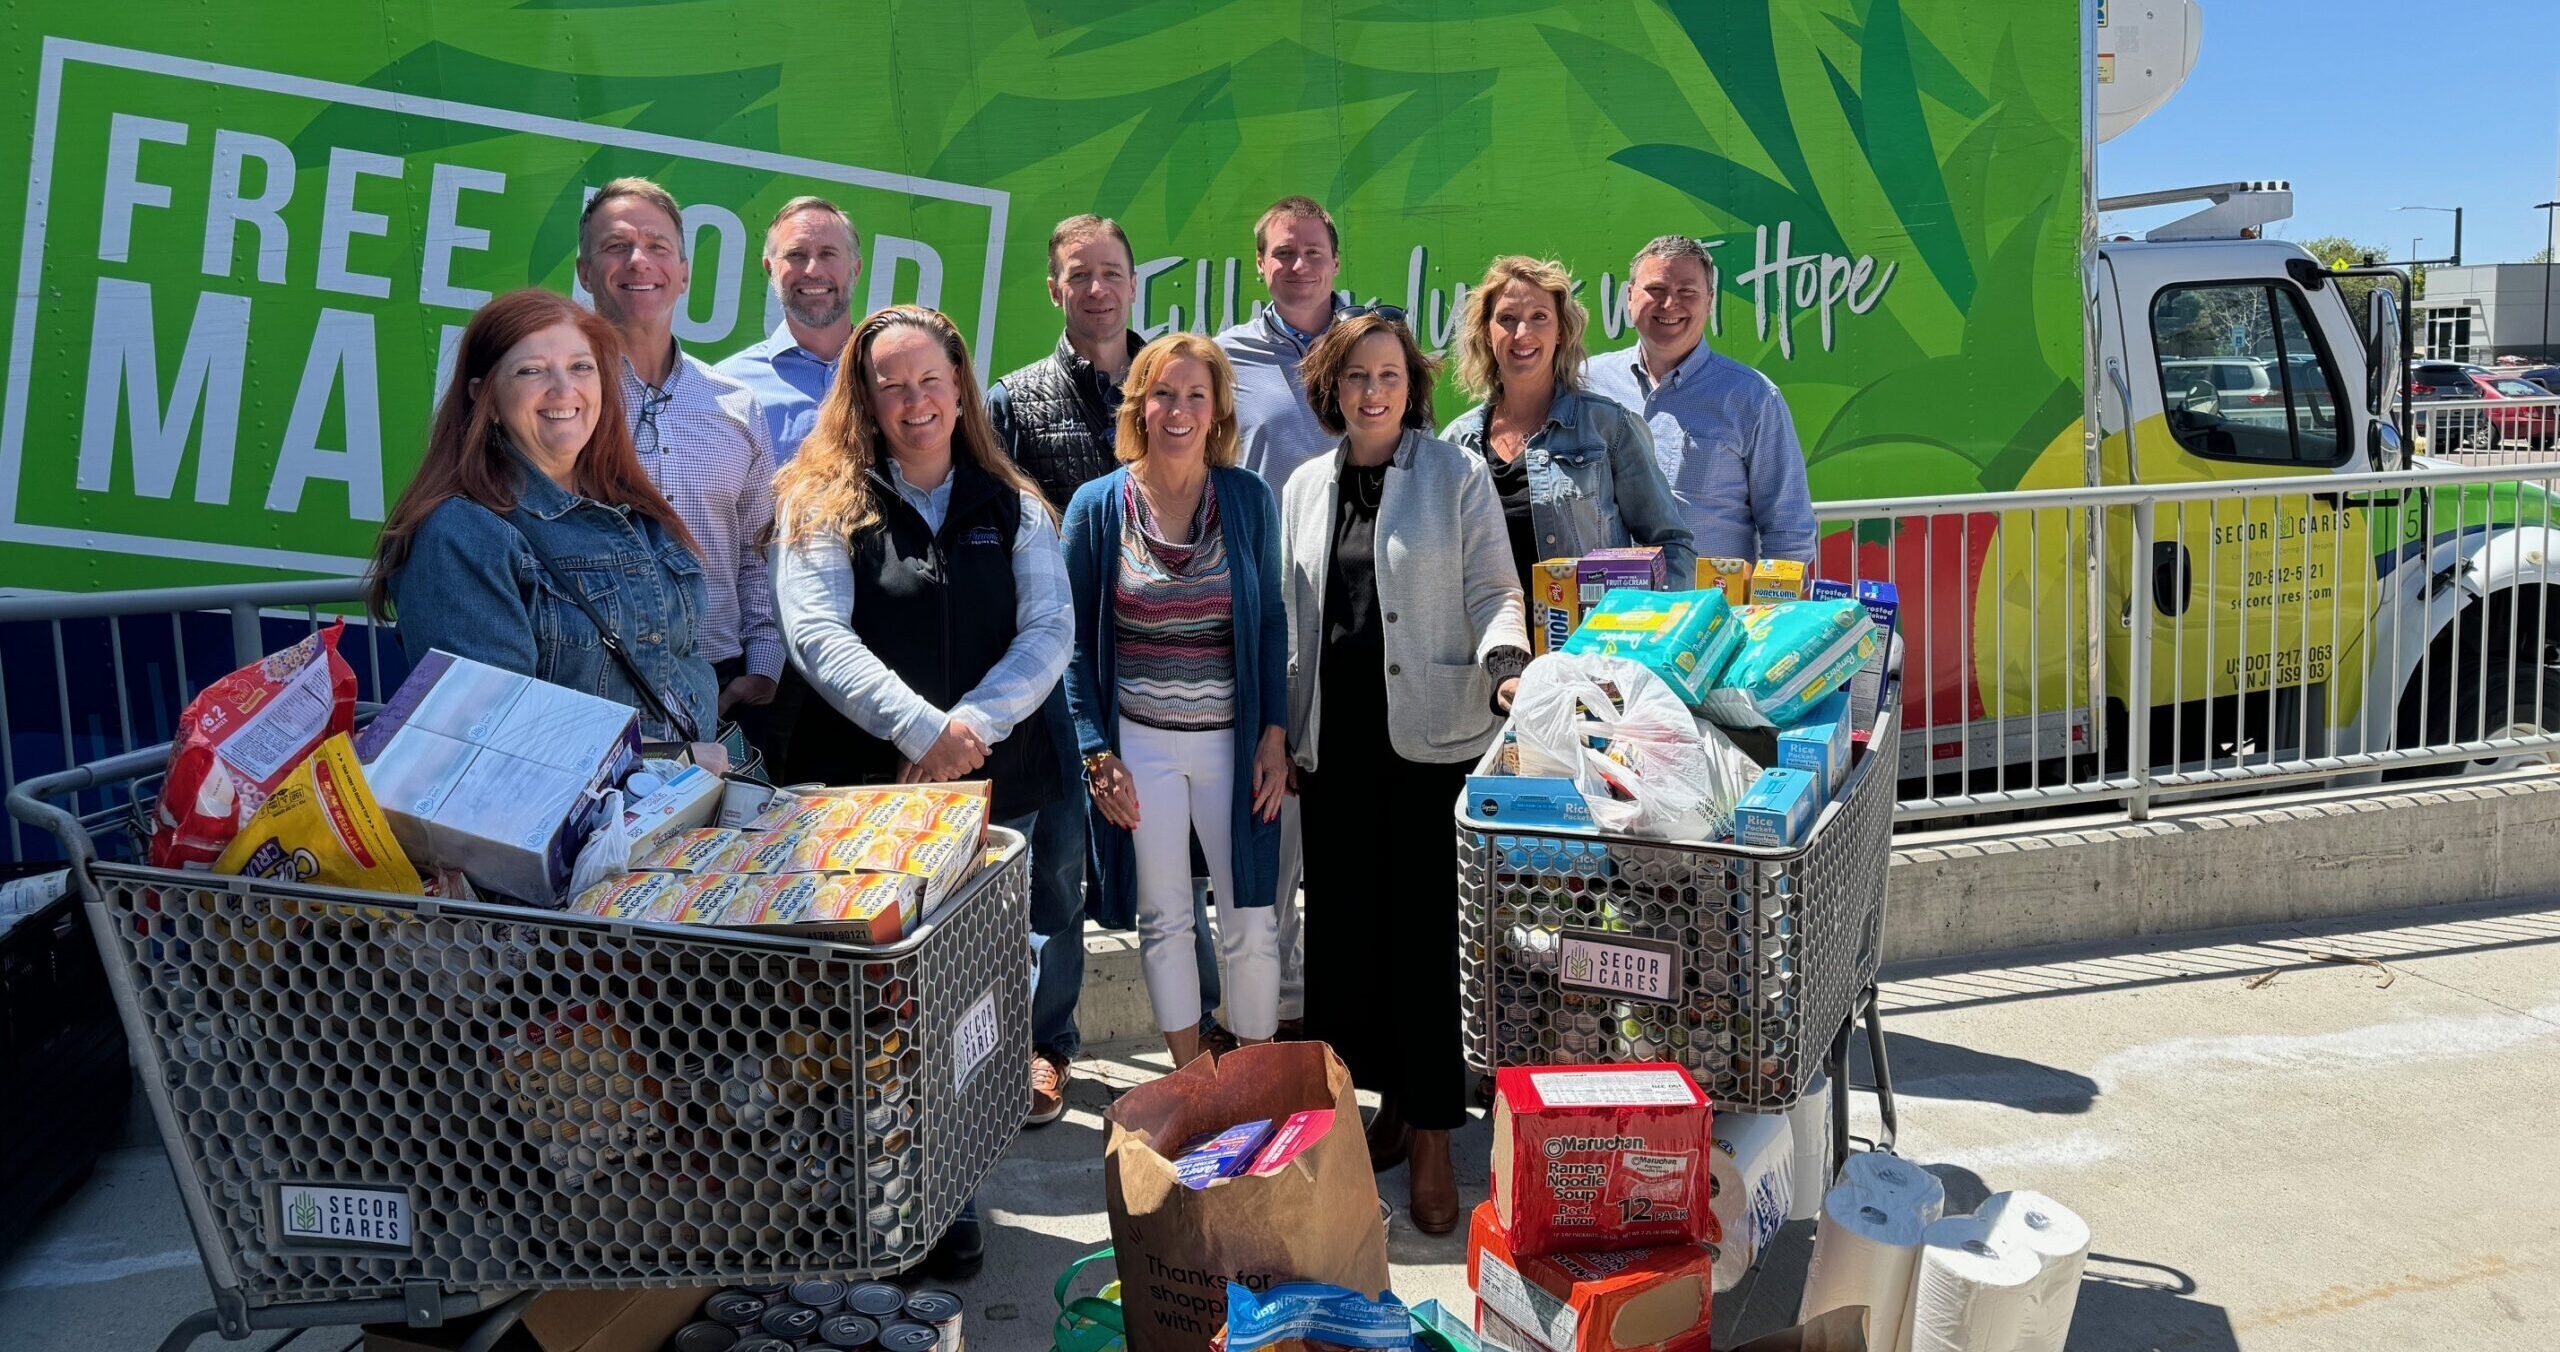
(2365,106)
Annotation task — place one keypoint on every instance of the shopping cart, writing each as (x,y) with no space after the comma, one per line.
(398,1108)
(1749,966)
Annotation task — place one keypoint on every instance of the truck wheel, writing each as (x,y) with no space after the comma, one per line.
(2457,713)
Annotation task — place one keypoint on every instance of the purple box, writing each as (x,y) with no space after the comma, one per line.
(1639,567)
(1217,1155)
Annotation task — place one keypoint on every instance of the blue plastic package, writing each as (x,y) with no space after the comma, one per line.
(1315,1312)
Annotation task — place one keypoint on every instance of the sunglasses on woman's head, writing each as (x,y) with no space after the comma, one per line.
(1393,314)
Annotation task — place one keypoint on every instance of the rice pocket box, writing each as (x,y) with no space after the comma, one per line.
(1596,1158)
(1819,745)
(1684,637)
(1638,1300)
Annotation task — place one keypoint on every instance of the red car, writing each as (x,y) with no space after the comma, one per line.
(2508,420)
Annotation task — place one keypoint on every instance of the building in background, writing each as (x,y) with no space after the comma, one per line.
(2487,311)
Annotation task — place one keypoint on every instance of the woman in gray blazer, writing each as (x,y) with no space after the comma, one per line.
(1406,640)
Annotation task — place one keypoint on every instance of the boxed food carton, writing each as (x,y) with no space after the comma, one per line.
(1683,637)
(633,896)
(1555,603)
(499,775)
(1819,745)
(705,849)
(1779,809)
(687,800)
(1634,1300)
(1866,689)
(1638,567)
(1214,1155)
(1730,576)
(1775,582)
(1595,1158)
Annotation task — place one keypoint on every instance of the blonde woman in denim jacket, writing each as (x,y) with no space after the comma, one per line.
(1576,472)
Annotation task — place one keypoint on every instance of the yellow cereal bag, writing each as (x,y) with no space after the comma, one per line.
(322,826)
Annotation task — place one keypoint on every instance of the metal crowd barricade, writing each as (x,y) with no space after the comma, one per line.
(1769,955)
(392,1107)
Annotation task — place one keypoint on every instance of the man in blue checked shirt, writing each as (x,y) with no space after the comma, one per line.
(1721,429)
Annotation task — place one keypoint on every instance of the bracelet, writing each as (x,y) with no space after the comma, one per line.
(1093,762)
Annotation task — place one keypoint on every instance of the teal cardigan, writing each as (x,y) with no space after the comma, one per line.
(1251,521)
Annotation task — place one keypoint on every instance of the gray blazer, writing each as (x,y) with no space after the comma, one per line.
(1446,591)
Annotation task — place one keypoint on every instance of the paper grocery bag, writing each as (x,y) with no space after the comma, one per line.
(1314,1220)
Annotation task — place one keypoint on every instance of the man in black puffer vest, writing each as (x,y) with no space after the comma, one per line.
(1058,419)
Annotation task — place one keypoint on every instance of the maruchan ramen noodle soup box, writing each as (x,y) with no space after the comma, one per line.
(1730,576)
(1635,1300)
(1819,745)
(1555,603)
(1775,582)
(1792,657)
(1683,637)
(1593,1158)
(1883,602)
(1637,567)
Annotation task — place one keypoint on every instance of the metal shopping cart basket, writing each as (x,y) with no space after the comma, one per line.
(399,1108)
(1746,965)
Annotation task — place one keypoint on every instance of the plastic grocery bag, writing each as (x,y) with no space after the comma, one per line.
(1793,656)
(1644,764)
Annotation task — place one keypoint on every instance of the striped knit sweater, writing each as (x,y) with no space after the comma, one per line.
(1174,623)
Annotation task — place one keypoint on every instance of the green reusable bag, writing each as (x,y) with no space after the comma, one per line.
(1089,1323)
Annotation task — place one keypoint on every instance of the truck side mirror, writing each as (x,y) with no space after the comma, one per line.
(2381,349)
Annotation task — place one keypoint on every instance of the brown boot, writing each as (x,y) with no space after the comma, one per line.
(1433,1185)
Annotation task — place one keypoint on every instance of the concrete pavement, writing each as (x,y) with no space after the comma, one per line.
(2277,1146)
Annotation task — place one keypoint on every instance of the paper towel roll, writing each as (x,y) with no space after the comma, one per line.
(1748,1170)
(1809,1128)
(1971,1288)
(2060,1241)
(1867,1243)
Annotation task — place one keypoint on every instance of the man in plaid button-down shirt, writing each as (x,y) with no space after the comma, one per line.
(699,433)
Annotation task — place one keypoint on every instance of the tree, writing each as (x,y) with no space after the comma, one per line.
(2338,250)
(2541,255)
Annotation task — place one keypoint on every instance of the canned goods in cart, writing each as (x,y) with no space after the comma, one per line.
(792,1322)
(760,1343)
(735,1308)
(906,1336)
(938,1310)
(877,1300)
(848,1332)
(703,1336)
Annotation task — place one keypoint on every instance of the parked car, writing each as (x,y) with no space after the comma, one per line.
(2445,379)
(2548,377)
(2508,420)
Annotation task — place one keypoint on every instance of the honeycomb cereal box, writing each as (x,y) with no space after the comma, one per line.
(1730,576)
(1777,581)
(1555,605)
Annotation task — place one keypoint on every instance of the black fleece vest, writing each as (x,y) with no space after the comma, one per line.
(1062,435)
(938,609)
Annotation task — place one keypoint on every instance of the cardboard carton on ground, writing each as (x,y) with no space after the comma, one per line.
(563,1321)
(1635,1300)
(1843,1330)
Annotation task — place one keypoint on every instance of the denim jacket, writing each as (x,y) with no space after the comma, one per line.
(1593,481)
(472,587)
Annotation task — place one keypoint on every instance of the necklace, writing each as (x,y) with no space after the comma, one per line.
(1369,489)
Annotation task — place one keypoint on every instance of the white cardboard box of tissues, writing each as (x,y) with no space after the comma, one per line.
(496,774)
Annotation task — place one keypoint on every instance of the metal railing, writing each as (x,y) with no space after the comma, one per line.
(2487,431)
(88,676)
(2121,644)
(2319,627)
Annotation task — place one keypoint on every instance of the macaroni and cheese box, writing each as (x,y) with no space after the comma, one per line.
(1639,567)
(874,908)
(1555,603)
(1779,809)
(633,896)
(1730,576)
(707,849)
(1866,689)
(1819,745)
(1777,581)
(1683,637)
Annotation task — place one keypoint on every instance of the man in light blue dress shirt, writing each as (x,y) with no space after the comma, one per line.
(1722,430)
(814,257)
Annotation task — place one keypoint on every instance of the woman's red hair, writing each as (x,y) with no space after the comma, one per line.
(467,454)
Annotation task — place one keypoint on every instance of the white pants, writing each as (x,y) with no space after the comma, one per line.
(1293,928)
(1186,783)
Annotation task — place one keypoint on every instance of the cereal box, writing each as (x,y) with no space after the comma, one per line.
(1555,604)
(1777,581)
(1730,576)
